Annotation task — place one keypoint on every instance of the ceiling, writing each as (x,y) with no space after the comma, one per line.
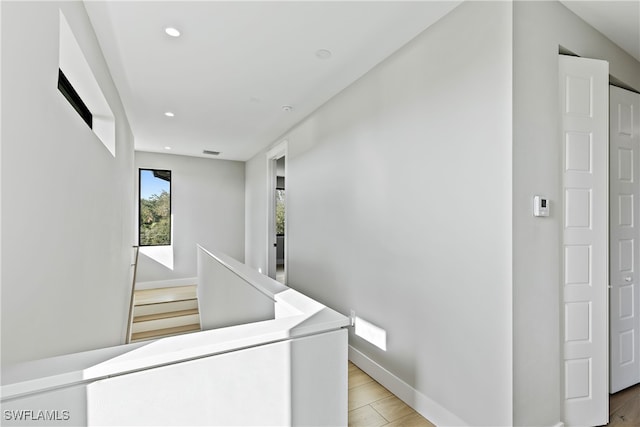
(619,21)
(244,72)
(237,64)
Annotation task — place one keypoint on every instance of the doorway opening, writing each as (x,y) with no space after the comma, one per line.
(280,211)
(277,213)
(624,235)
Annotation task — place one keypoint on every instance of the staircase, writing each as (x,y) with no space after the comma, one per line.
(164,312)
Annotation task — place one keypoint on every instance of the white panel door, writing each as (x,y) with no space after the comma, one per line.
(584,93)
(624,187)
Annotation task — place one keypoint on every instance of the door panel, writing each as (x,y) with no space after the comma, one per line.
(584,100)
(624,234)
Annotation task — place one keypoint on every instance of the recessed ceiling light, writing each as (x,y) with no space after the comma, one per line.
(287,108)
(173,32)
(167,148)
(169,114)
(323,53)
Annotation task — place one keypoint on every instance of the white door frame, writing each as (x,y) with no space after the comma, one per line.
(277,152)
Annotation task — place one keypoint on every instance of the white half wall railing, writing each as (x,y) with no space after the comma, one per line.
(267,355)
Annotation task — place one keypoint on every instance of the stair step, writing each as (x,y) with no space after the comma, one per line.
(160,333)
(163,307)
(170,322)
(165,315)
(161,295)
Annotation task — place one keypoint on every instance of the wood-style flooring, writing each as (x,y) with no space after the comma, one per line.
(372,405)
(624,408)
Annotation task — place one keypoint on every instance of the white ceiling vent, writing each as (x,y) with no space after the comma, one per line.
(211,153)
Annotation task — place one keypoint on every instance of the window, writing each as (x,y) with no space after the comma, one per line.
(74,99)
(280,207)
(154,207)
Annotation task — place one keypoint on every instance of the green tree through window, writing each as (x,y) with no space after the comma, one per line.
(280,211)
(155,207)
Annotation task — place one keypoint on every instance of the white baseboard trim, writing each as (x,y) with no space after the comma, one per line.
(560,424)
(412,397)
(167,283)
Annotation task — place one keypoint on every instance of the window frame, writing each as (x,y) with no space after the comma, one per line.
(140,206)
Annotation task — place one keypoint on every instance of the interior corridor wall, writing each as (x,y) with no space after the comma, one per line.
(207,206)
(399,207)
(67,203)
(539,29)
(256,212)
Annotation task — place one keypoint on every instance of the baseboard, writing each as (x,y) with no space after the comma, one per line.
(412,397)
(560,424)
(167,283)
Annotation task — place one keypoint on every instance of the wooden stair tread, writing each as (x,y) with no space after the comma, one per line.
(159,333)
(167,322)
(164,312)
(162,295)
(164,315)
(160,304)
(144,310)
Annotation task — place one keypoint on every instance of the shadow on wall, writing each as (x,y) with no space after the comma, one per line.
(162,255)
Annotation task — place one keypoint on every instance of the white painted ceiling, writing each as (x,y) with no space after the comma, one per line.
(237,63)
(619,21)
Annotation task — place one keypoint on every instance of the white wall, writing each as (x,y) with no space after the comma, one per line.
(207,203)
(227,299)
(235,378)
(539,28)
(256,212)
(67,203)
(399,206)
(255,386)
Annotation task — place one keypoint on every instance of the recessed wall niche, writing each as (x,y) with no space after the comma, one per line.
(77,71)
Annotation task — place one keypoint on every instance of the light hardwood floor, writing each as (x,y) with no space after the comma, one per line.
(624,408)
(372,405)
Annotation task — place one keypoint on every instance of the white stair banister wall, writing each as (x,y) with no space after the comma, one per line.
(289,369)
